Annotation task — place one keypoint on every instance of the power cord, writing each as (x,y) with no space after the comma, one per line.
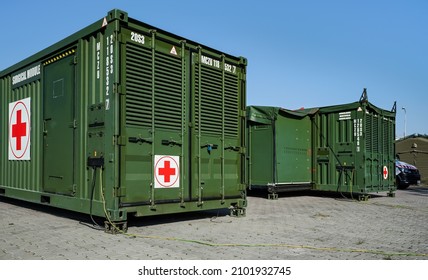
(94,225)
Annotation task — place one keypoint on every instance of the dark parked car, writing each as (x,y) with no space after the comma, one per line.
(406,175)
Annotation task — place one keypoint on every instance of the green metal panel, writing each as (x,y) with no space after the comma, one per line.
(59,124)
(293,148)
(142,100)
(261,151)
(217,123)
(155,115)
(280,148)
(25,175)
(354,148)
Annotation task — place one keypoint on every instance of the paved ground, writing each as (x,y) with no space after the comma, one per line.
(302,225)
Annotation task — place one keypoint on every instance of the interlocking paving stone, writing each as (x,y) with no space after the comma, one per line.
(303,225)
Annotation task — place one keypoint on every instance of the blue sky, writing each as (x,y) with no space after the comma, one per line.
(303,53)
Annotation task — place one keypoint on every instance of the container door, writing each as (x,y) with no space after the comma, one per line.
(336,150)
(261,154)
(347,148)
(58,145)
(217,129)
(155,121)
(293,151)
(379,151)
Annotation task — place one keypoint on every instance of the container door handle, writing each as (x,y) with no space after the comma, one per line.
(45,132)
(210,147)
(170,142)
(233,148)
(140,140)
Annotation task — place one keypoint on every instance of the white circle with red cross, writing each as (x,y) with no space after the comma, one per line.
(385,172)
(19,129)
(167,171)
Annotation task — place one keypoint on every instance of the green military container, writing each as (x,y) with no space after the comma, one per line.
(354,148)
(122,118)
(279,142)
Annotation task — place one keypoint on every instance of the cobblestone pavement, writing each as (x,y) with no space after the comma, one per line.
(304,225)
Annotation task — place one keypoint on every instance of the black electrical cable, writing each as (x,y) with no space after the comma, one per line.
(94,225)
(94,179)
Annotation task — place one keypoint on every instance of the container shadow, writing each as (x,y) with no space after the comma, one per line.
(46,209)
(312,193)
(176,217)
(85,219)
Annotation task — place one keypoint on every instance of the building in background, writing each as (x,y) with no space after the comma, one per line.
(413,149)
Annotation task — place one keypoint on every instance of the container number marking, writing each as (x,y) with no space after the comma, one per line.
(358,132)
(230,68)
(216,63)
(109,68)
(138,38)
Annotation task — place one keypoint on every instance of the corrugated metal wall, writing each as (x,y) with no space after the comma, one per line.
(353,144)
(25,175)
(137,94)
(164,96)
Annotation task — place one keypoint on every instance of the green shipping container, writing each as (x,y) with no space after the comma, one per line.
(122,118)
(279,142)
(354,148)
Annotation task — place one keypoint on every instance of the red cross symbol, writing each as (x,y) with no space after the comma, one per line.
(167,171)
(19,130)
(385,172)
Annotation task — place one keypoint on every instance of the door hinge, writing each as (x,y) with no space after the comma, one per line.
(120,191)
(121,140)
(119,89)
(73,124)
(242,150)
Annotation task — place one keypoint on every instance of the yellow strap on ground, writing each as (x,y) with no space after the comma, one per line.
(211,244)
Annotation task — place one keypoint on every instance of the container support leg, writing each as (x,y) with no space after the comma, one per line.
(391,193)
(237,212)
(115,227)
(272,196)
(363,197)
